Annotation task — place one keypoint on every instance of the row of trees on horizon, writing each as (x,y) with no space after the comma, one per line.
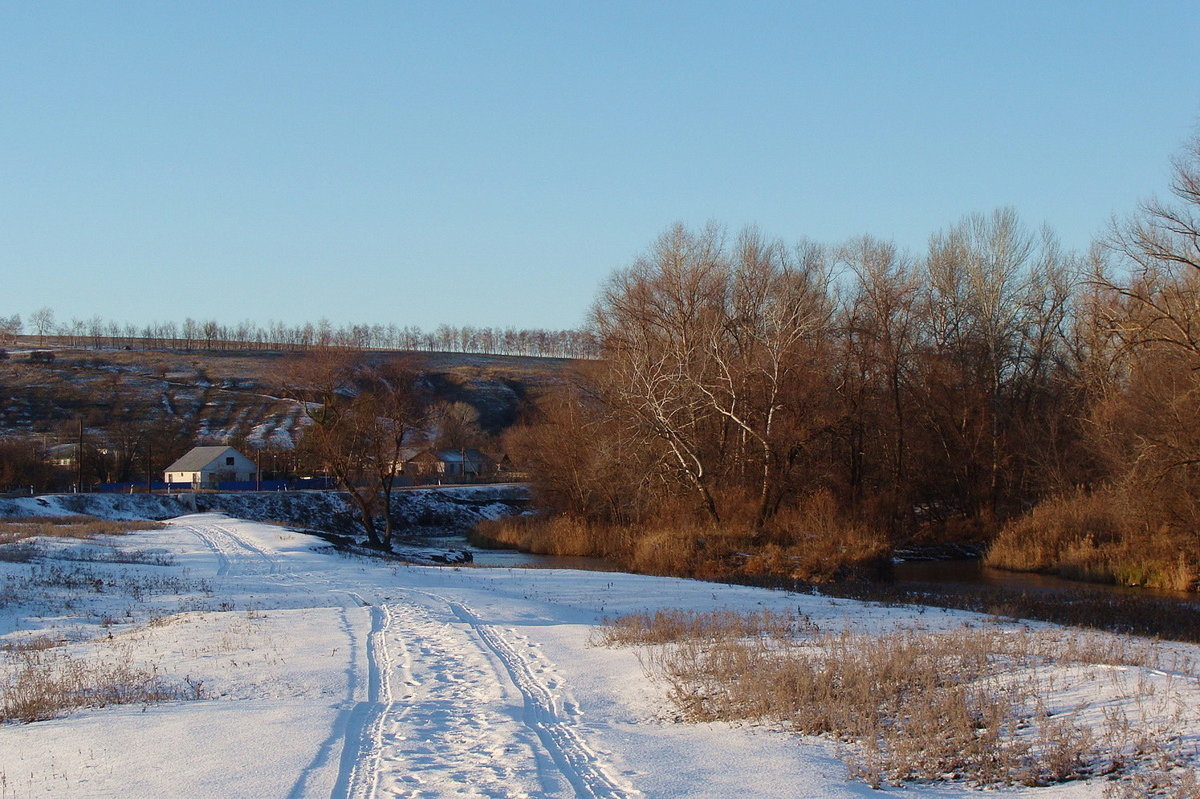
(97,332)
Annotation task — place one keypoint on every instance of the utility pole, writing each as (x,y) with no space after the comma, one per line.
(149,467)
(79,460)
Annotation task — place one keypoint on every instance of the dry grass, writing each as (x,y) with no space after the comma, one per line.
(556,535)
(911,706)
(811,542)
(44,685)
(19,529)
(672,626)
(1099,537)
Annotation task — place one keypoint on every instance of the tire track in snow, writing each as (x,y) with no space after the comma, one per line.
(234,554)
(580,766)
(442,730)
(222,553)
(363,752)
(359,774)
(335,743)
(271,562)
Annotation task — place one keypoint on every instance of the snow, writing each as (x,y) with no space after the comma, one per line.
(326,675)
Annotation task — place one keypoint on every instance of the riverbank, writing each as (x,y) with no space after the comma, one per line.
(416,511)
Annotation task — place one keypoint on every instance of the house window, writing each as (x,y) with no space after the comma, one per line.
(229,461)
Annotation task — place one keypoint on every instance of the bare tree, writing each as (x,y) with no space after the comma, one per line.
(42,321)
(10,328)
(993,317)
(1159,250)
(362,415)
(719,356)
(881,334)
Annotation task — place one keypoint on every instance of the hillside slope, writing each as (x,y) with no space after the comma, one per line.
(223,396)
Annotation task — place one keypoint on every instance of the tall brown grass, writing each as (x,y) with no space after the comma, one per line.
(18,529)
(810,542)
(1105,536)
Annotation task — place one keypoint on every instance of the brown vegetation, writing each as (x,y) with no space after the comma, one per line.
(17,529)
(912,706)
(765,410)
(45,684)
(363,414)
(810,543)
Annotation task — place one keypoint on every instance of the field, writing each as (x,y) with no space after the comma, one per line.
(283,668)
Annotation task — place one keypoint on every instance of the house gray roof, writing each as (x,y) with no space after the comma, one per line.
(199,457)
(443,455)
(457,455)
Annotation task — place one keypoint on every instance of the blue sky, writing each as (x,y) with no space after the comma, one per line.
(491,163)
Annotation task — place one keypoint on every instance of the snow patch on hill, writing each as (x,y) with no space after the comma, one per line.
(416,512)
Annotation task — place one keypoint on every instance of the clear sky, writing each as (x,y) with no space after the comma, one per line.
(490,163)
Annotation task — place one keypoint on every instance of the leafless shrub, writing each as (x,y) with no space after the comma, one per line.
(44,687)
(911,706)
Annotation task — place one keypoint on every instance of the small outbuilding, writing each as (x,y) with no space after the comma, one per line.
(205,467)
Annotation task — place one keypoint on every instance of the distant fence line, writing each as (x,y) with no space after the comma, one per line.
(292,484)
(298,484)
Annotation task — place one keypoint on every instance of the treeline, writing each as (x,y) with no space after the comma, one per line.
(100,333)
(759,407)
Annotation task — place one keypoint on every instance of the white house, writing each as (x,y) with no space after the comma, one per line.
(204,467)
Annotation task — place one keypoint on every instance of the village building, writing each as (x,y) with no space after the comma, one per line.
(67,455)
(456,464)
(206,467)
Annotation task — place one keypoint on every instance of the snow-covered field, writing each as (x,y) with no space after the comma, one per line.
(324,675)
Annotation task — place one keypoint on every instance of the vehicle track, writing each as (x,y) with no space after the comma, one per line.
(558,734)
(358,776)
(234,554)
(270,562)
(205,534)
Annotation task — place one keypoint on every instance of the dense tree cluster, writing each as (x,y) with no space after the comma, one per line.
(748,374)
(743,382)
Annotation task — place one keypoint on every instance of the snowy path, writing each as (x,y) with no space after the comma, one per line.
(435,721)
(235,555)
(452,707)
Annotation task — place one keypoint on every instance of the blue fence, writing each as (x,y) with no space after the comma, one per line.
(295,484)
